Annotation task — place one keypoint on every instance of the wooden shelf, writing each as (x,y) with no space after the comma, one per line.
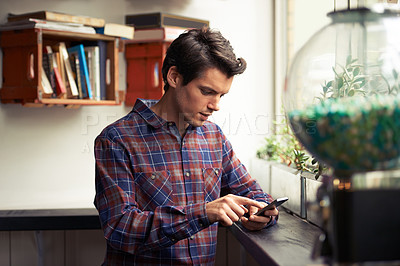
(144,70)
(77,101)
(69,103)
(22,66)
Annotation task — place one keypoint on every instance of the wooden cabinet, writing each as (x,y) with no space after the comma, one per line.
(22,66)
(143,75)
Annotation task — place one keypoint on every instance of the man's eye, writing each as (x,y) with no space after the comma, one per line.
(205,92)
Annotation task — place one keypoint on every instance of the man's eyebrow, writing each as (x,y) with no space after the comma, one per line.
(208,88)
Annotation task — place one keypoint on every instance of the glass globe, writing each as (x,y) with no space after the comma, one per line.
(342,91)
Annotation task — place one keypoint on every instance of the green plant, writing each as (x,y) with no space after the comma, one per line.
(283,147)
(350,80)
(300,159)
(335,114)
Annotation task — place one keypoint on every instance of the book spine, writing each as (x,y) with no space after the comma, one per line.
(79,79)
(60,17)
(61,69)
(96,71)
(47,63)
(157,34)
(102,66)
(68,71)
(85,72)
(61,90)
(74,62)
(154,20)
(47,25)
(88,55)
(47,90)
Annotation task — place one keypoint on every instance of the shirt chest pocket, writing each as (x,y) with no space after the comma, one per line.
(153,189)
(212,183)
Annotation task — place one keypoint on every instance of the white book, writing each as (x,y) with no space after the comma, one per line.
(47,89)
(68,70)
(47,25)
(93,55)
(157,34)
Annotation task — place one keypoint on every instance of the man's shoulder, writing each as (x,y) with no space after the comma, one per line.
(122,126)
(210,127)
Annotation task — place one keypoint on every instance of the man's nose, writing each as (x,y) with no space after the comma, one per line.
(214,104)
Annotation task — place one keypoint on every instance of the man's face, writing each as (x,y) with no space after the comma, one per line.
(197,100)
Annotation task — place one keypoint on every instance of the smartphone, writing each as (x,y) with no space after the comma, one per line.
(277,202)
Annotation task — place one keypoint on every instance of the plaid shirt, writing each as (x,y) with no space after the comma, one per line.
(152,186)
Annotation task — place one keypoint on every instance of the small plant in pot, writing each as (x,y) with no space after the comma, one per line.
(283,147)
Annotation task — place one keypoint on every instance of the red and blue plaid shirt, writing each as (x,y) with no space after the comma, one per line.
(152,186)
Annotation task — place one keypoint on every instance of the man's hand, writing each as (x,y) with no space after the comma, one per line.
(258,222)
(230,208)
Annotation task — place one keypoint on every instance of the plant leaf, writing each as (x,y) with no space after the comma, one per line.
(348,60)
(395,74)
(339,83)
(360,79)
(356,71)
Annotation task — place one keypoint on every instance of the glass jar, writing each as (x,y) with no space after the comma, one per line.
(342,91)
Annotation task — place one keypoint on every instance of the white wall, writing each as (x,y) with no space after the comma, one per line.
(46,154)
(308,17)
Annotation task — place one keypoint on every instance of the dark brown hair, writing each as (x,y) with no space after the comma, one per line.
(197,50)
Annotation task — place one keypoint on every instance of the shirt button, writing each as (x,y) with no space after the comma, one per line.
(153,176)
(192,237)
(200,224)
(187,174)
(216,171)
(170,124)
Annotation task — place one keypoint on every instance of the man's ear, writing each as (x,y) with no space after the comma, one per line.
(173,77)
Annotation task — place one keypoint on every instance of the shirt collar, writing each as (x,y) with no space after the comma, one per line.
(142,107)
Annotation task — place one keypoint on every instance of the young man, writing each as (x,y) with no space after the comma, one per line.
(165,176)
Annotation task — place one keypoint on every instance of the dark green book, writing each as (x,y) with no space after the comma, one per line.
(159,19)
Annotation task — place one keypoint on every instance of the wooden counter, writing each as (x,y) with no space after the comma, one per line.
(289,242)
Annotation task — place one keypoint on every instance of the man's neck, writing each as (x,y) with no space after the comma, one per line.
(166,108)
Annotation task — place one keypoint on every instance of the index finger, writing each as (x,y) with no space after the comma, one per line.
(249,202)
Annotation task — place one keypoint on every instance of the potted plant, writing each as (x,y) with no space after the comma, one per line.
(292,170)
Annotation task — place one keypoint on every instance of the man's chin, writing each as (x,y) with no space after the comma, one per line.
(197,123)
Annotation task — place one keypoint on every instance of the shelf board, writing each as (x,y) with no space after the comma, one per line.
(69,103)
(77,101)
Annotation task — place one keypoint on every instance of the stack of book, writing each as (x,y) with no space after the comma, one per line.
(57,21)
(160,26)
(76,72)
